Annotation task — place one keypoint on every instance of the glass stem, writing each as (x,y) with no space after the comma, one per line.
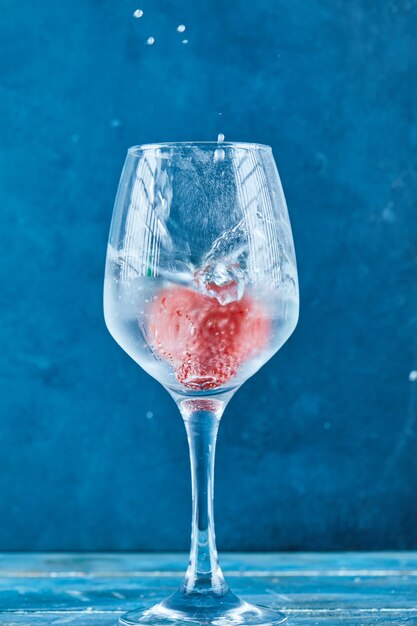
(202,418)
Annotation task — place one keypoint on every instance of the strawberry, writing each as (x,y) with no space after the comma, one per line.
(204,341)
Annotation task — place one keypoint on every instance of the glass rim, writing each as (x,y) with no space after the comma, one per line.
(242,145)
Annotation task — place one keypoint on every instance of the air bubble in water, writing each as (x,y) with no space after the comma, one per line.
(220,138)
(219,155)
(138,13)
(150,41)
(181,28)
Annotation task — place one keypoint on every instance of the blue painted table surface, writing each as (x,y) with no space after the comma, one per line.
(312,588)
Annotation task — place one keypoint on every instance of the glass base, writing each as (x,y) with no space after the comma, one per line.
(198,609)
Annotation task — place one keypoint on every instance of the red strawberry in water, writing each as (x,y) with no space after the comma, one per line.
(206,342)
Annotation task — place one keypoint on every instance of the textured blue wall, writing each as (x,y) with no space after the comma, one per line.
(319,450)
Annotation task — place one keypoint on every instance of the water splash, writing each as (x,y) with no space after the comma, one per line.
(138,13)
(222,274)
(181,28)
(184,41)
(150,41)
(219,155)
(221,280)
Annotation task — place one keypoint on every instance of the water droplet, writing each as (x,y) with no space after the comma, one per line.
(181,28)
(185,41)
(220,138)
(412,377)
(75,138)
(327,425)
(138,13)
(219,155)
(149,415)
(220,113)
(150,41)
(115,123)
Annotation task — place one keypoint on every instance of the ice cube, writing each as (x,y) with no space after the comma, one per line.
(224,282)
(223,270)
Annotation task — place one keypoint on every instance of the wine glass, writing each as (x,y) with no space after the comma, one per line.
(201,290)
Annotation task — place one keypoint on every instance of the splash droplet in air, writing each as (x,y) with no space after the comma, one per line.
(181,28)
(412,377)
(220,138)
(138,13)
(184,41)
(150,41)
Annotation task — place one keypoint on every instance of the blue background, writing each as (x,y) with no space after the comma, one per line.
(319,450)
